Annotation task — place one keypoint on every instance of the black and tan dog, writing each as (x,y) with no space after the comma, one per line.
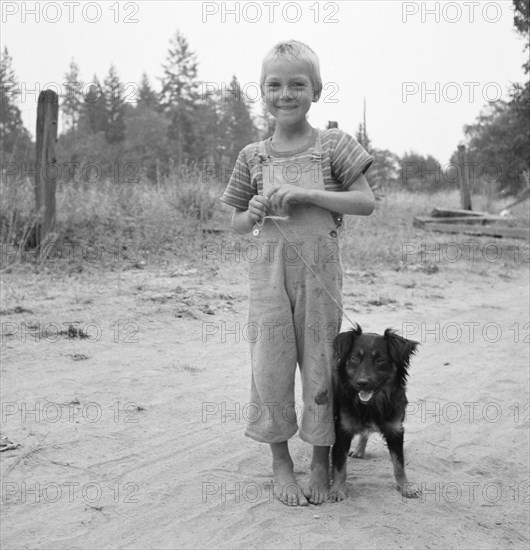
(369,395)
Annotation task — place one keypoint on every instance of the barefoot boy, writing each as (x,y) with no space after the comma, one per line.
(310,178)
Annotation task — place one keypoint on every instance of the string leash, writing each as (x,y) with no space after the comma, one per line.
(323,286)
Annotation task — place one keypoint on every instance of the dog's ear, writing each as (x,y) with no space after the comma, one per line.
(344,342)
(400,350)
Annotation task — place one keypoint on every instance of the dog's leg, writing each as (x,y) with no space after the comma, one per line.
(339,456)
(361,446)
(394,440)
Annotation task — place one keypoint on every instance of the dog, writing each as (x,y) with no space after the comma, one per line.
(369,395)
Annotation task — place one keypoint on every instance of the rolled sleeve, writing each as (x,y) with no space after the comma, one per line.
(349,159)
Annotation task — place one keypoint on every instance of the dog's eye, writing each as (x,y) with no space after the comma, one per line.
(355,359)
(380,361)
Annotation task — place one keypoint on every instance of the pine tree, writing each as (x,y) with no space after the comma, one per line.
(147,97)
(13,134)
(93,116)
(73,98)
(179,82)
(115,107)
(237,126)
(179,97)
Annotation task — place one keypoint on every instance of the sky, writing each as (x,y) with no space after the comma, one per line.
(425,69)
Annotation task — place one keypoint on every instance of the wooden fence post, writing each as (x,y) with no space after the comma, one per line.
(45,169)
(465,196)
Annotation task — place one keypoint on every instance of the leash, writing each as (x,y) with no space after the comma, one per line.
(286,219)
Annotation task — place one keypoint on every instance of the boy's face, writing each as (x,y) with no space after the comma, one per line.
(288,91)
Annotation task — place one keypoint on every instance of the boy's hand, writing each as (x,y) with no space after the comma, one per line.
(258,207)
(280,197)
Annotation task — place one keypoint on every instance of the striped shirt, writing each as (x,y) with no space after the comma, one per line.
(343,161)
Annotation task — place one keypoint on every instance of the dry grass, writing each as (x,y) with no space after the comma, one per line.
(164,221)
(104,215)
(388,237)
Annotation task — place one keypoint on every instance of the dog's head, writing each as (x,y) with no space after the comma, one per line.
(368,362)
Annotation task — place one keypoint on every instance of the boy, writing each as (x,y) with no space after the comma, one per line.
(296,280)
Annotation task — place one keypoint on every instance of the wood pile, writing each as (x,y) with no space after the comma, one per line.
(472,223)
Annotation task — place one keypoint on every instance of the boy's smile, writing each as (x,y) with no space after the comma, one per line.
(288,91)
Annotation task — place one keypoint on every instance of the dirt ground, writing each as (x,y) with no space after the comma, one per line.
(133,437)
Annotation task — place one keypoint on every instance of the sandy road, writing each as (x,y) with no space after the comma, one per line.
(134,438)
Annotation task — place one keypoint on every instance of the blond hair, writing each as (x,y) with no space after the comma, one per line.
(293,50)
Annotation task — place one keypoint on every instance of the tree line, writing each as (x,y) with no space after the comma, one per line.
(128,131)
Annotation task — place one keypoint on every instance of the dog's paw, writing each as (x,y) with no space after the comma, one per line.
(356,454)
(337,493)
(409,490)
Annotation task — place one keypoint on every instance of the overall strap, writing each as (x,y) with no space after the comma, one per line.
(317,157)
(317,150)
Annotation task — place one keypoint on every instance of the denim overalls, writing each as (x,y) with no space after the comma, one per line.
(291,317)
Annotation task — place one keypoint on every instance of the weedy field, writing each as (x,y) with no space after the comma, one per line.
(179,214)
(126,374)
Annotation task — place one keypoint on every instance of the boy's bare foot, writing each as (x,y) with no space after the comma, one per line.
(318,485)
(286,489)
(319,480)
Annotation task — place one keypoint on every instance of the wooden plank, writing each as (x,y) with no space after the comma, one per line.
(420,221)
(489,231)
(451,212)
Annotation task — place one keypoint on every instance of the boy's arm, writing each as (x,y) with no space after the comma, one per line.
(241,222)
(357,200)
